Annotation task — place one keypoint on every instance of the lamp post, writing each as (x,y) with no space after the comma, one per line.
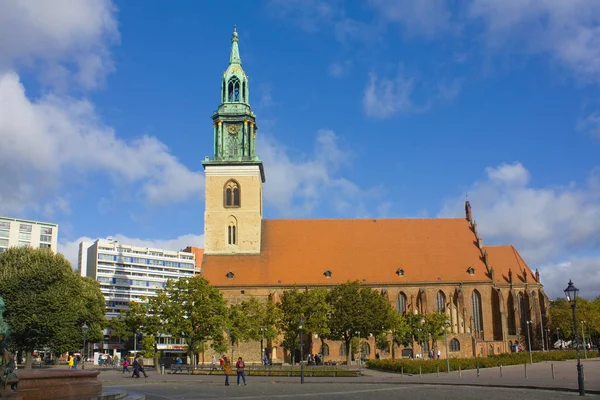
(529,341)
(583,339)
(571,293)
(558,338)
(84,330)
(359,351)
(446,335)
(300,328)
(547,339)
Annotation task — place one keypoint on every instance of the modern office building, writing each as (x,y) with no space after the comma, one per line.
(22,232)
(82,257)
(129,273)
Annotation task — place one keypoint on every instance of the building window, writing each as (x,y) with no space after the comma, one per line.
(477,313)
(233,88)
(325,349)
(4,225)
(232,232)
(232,194)
(512,326)
(230,275)
(401,303)
(44,245)
(454,345)
(45,238)
(45,230)
(471,271)
(441,302)
(25,236)
(342,350)
(4,242)
(25,228)
(4,234)
(400,272)
(327,274)
(365,349)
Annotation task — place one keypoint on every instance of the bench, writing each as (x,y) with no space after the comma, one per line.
(180,368)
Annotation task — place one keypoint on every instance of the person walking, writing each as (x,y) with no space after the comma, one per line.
(240,365)
(126,366)
(136,368)
(226,368)
(71,362)
(214,363)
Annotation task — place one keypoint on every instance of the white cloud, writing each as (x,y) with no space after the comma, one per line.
(310,15)
(54,138)
(296,184)
(583,271)
(590,124)
(71,249)
(340,70)
(384,97)
(59,34)
(422,17)
(568,31)
(546,225)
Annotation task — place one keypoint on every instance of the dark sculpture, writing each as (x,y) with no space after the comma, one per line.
(7,363)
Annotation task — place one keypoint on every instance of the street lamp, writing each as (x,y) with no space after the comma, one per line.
(446,335)
(558,338)
(84,329)
(583,339)
(571,293)
(547,339)
(359,351)
(529,341)
(301,327)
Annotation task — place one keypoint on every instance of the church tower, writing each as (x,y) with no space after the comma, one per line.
(235,174)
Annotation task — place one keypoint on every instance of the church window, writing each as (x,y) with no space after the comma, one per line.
(244,98)
(325,349)
(232,194)
(230,275)
(233,88)
(512,327)
(232,232)
(365,349)
(401,303)
(454,345)
(327,274)
(471,271)
(342,350)
(477,313)
(441,302)
(400,272)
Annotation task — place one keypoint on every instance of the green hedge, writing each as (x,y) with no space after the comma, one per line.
(431,366)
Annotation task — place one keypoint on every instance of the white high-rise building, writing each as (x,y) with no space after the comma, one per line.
(130,273)
(22,232)
(82,257)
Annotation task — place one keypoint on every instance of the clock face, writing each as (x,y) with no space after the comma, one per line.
(233,129)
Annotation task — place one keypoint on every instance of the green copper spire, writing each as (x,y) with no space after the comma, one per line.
(235,51)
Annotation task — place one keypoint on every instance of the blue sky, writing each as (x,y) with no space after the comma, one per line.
(365,109)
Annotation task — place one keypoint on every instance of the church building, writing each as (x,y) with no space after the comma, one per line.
(491,297)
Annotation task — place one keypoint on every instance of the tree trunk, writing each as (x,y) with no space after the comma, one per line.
(28,360)
(156,362)
(348,351)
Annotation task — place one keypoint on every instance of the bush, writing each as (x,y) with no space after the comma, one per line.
(430,366)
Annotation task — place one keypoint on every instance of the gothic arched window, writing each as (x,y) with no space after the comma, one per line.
(244,96)
(365,349)
(342,350)
(454,345)
(325,350)
(476,313)
(232,231)
(232,194)
(233,89)
(440,303)
(512,327)
(401,303)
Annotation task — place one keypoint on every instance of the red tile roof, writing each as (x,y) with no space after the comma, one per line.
(299,252)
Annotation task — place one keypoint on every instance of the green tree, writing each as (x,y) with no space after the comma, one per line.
(192,309)
(357,312)
(435,327)
(47,302)
(417,329)
(292,308)
(561,316)
(149,347)
(401,333)
(382,343)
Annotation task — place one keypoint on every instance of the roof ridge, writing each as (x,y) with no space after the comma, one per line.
(366,219)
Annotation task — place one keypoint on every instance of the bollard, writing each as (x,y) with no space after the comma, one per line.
(525,370)
(401,371)
(500,370)
(582,372)
(419,371)
(437,371)
(552,368)
(459,372)
(478,369)
(162,369)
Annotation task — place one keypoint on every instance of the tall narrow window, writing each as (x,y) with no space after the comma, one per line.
(232,194)
(401,303)
(244,98)
(232,231)
(512,327)
(440,301)
(477,313)
(233,88)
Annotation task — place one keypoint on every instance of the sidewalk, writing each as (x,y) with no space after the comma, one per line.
(539,376)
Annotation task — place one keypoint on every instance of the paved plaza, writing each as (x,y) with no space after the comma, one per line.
(375,384)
